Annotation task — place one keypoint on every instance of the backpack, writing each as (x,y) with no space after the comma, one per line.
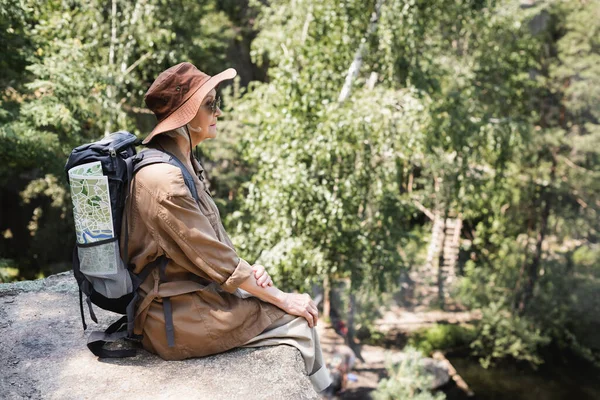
(100,175)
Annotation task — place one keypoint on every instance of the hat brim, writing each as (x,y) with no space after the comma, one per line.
(189,109)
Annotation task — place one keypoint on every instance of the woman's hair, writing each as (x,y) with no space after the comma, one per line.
(178,131)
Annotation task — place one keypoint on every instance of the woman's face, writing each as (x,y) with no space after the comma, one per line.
(204,124)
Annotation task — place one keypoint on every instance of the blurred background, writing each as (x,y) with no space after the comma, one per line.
(430,166)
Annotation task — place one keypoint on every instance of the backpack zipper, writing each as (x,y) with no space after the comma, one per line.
(113,157)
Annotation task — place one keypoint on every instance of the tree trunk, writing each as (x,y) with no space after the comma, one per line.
(326,297)
(534,266)
(110,90)
(351,331)
(351,312)
(440,275)
(518,292)
(358,57)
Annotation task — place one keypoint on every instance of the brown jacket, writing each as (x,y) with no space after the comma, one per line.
(203,273)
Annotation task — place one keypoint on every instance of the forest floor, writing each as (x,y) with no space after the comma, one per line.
(410,311)
(397,324)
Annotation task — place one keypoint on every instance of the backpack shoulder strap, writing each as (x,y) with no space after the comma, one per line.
(155,156)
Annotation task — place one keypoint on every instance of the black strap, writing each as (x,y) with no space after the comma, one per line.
(130,316)
(80,281)
(129,164)
(148,268)
(76,272)
(170,330)
(137,280)
(117,326)
(116,331)
(98,243)
(88,300)
(167,306)
(81,309)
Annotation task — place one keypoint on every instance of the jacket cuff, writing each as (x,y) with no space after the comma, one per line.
(241,272)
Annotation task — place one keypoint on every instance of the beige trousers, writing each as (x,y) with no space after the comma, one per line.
(294,331)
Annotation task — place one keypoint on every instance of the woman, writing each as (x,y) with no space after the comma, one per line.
(216,300)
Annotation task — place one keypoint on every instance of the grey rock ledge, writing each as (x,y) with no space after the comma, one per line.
(43,354)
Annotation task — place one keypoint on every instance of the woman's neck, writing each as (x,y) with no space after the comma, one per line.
(179,145)
(184,145)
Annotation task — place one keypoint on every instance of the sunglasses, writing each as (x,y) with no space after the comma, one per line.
(214,105)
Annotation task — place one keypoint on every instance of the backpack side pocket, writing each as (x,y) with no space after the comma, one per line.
(101,264)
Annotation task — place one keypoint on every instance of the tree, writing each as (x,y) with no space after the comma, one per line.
(324,196)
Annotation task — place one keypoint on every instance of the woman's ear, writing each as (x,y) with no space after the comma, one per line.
(195,130)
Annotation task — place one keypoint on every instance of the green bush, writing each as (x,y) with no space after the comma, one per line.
(407,380)
(441,337)
(502,334)
(368,334)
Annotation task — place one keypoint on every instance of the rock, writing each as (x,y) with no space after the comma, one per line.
(43,354)
(438,371)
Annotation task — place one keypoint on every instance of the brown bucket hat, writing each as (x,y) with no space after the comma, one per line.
(176,95)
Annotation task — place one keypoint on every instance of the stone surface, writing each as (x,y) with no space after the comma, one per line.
(43,354)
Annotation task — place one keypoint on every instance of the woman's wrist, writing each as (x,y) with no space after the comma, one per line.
(280,298)
(272,295)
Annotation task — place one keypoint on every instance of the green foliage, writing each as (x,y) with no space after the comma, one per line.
(494,128)
(586,257)
(14,42)
(566,305)
(325,197)
(501,334)
(8,272)
(407,380)
(441,337)
(367,334)
(540,207)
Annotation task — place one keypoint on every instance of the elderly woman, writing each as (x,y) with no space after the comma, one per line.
(216,300)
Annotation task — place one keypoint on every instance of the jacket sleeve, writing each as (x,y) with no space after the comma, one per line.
(188,238)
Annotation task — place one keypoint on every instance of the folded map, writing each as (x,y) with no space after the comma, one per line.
(91,203)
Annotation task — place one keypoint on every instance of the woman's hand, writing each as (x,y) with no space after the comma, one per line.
(297,304)
(302,306)
(262,276)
